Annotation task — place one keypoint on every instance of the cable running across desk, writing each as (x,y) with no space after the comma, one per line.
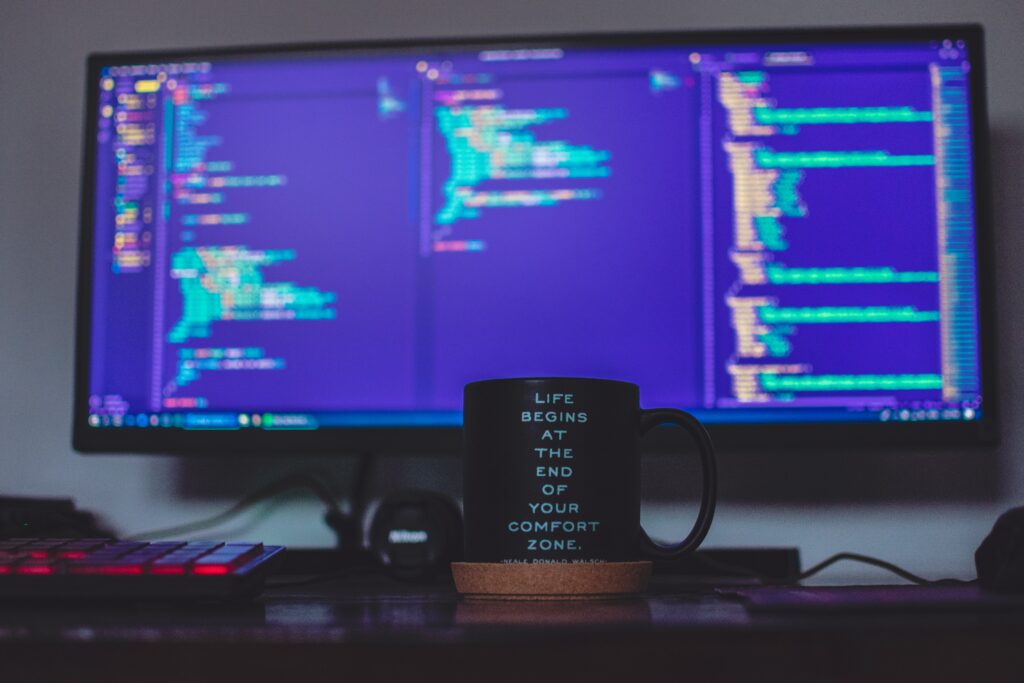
(276,488)
(825,564)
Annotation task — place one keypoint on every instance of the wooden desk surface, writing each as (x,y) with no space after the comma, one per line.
(377,629)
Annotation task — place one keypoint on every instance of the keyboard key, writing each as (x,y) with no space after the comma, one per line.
(78,549)
(189,552)
(231,552)
(115,569)
(37,567)
(223,560)
(11,556)
(151,552)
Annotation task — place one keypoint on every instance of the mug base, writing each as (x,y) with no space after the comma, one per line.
(499,581)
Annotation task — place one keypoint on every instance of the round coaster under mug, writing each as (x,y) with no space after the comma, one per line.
(551,489)
(550,581)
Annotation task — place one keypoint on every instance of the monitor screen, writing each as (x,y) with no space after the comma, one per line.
(759,229)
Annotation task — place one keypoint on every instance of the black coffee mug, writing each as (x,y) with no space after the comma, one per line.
(551,471)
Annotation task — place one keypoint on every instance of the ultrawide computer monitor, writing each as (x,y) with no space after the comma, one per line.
(315,247)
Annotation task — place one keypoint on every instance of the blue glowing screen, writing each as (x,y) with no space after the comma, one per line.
(753,232)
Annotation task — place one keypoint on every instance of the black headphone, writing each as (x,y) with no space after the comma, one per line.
(415,535)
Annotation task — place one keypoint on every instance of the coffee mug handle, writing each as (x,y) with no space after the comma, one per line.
(649,419)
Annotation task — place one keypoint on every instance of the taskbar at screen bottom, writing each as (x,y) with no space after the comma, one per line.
(302,421)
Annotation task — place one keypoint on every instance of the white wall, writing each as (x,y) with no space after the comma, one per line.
(42,53)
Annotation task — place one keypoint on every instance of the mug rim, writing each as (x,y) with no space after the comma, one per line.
(511,380)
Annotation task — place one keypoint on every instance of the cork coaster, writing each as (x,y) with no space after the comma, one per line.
(561,581)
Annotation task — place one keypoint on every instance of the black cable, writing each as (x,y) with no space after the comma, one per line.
(301,480)
(259,513)
(360,486)
(874,562)
(741,571)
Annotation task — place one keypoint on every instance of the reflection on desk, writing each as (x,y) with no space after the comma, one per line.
(391,631)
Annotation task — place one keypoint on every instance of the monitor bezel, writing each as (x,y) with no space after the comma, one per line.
(430,440)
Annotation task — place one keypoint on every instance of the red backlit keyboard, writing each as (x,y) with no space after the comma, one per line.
(108,568)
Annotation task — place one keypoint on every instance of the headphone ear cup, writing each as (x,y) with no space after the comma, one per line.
(416,535)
